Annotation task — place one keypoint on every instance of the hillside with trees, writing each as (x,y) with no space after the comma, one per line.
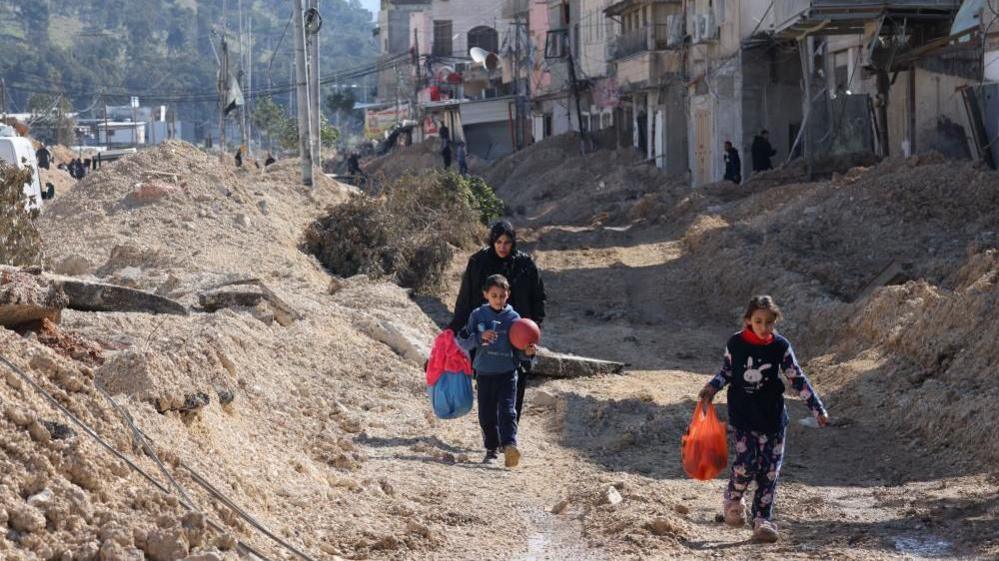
(71,52)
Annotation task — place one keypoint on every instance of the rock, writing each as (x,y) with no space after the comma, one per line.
(250,293)
(114,551)
(612,497)
(204,556)
(560,365)
(663,527)
(245,296)
(38,432)
(195,527)
(58,431)
(560,506)
(264,208)
(195,401)
(225,395)
(409,343)
(167,544)
(41,498)
(414,527)
(26,518)
(101,297)
(543,399)
(26,297)
(13,380)
(73,265)
(149,192)
(242,220)
(129,276)
(19,417)
(681,509)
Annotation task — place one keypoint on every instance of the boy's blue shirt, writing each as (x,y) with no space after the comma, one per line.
(498,357)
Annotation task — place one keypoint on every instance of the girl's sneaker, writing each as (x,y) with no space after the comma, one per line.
(765,531)
(735,513)
(511,456)
(490,457)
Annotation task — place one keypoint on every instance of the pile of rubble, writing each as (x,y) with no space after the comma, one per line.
(894,265)
(223,343)
(416,158)
(555,182)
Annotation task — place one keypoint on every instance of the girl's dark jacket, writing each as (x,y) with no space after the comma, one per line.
(527,290)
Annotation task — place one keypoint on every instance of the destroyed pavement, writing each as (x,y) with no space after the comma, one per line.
(303,403)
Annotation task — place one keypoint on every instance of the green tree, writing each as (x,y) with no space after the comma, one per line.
(328,134)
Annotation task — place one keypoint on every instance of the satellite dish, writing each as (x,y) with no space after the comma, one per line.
(488,60)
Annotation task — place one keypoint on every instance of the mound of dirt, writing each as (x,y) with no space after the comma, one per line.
(416,158)
(183,216)
(552,182)
(891,268)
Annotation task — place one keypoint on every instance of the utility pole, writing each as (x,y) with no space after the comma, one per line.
(3,99)
(302,88)
(314,113)
(107,129)
(575,94)
(223,94)
(519,139)
(242,66)
(247,96)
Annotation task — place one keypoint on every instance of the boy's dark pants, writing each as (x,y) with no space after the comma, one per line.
(497,409)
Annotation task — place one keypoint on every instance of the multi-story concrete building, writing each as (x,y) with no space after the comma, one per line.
(394,40)
(648,70)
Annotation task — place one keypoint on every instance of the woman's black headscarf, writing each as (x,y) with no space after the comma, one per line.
(499,229)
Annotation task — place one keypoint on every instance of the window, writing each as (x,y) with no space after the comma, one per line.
(484,38)
(443,30)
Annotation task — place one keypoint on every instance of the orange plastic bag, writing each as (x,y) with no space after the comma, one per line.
(704,447)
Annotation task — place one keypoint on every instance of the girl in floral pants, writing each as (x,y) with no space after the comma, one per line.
(754,358)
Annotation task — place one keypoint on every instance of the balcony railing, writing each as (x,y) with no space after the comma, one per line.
(652,37)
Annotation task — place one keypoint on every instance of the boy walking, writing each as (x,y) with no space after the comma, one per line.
(495,365)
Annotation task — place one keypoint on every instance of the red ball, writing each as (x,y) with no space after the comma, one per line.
(524,332)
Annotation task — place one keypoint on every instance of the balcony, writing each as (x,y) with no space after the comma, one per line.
(653,37)
(793,18)
(646,69)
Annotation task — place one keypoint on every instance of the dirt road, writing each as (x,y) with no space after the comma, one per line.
(851,491)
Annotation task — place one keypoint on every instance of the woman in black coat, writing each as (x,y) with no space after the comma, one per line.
(527,290)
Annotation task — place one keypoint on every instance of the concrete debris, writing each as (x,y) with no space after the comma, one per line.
(562,365)
(89,296)
(612,497)
(26,297)
(249,294)
(409,343)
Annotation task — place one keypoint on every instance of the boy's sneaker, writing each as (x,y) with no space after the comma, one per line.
(511,456)
(735,513)
(491,456)
(765,531)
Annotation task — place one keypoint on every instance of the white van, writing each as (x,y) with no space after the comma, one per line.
(18,151)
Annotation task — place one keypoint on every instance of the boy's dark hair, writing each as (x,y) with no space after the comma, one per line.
(763,302)
(497,281)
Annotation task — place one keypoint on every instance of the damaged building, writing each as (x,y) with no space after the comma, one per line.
(679,78)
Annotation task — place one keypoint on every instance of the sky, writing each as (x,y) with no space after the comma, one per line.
(371,5)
